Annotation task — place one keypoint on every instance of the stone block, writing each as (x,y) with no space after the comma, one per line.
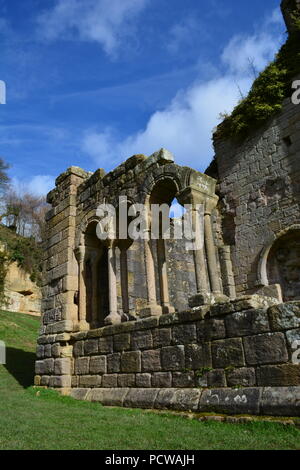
(47,350)
(211,329)
(151,361)
(162,380)
(269,348)
(90,381)
(184,334)
(161,337)
(45,379)
(143,380)
(40,351)
(109,396)
(141,398)
(78,349)
(62,381)
(285,375)
(98,365)
(165,398)
(228,352)
(253,302)
(216,378)
(186,399)
(285,316)
(247,323)
(66,351)
(113,363)
(183,379)
(121,342)
(106,345)
(173,358)
(198,356)
(218,310)
(110,380)
(141,340)
(63,366)
(80,393)
(126,380)
(82,365)
(131,362)
(244,377)
(281,401)
(228,401)
(90,347)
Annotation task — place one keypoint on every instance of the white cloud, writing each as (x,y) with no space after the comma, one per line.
(39,185)
(102,21)
(185,126)
(185,33)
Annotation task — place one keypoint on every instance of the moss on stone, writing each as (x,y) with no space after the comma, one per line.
(268,91)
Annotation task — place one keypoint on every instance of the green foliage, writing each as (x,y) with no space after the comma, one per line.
(3,272)
(201,372)
(269,90)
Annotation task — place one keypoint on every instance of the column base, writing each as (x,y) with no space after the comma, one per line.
(83,325)
(151,311)
(112,319)
(168,309)
(199,300)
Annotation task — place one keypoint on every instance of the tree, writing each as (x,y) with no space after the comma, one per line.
(25,214)
(4,179)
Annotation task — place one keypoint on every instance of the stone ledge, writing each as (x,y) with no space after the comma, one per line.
(269,401)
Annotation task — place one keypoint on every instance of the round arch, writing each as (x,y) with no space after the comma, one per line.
(263,277)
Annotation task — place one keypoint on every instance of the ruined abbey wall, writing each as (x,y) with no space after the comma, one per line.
(149,323)
(259,183)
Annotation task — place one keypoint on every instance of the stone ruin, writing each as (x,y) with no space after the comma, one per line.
(150,324)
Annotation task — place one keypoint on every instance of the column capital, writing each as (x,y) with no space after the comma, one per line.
(80,253)
(210,204)
(194,196)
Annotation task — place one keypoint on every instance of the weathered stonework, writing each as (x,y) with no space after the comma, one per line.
(148,323)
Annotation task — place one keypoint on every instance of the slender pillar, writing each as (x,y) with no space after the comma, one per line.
(80,255)
(199,256)
(211,249)
(163,277)
(95,287)
(113,317)
(152,309)
(124,280)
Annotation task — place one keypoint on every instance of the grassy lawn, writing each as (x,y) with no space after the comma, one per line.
(31,419)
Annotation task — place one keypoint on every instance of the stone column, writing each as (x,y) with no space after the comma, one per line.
(124,280)
(113,317)
(95,286)
(152,309)
(196,199)
(210,247)
(227,272)
(80,255)
(199,256)
(163,277)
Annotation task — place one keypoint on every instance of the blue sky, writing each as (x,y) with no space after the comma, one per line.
(92,82)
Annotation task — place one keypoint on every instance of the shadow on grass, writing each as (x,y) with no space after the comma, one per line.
(20,364)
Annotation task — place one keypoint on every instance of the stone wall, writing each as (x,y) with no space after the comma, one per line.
(233,356)
(259,183)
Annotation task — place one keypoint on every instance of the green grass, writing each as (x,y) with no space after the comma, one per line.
(42,419)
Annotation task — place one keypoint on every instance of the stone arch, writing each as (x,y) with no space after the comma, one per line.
(165,173)
(280,262)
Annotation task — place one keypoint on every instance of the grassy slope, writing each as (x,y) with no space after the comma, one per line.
(31,419)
